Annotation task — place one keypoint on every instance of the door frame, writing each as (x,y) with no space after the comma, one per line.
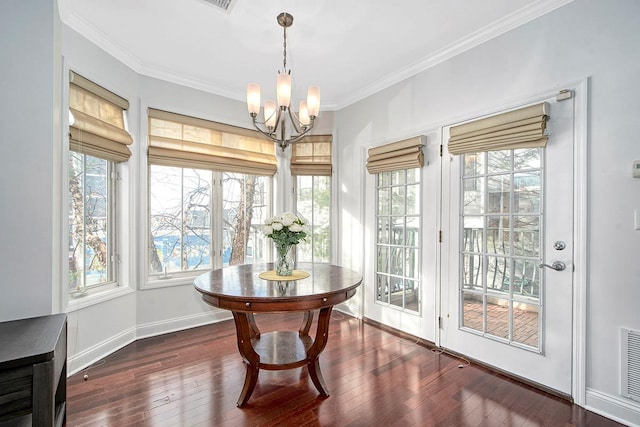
(580,93)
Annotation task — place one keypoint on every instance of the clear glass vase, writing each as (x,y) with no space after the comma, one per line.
(284,261)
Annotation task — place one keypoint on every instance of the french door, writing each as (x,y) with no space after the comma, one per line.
(506,296)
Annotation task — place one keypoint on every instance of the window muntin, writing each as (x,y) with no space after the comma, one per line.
(92,237)
(398,242)
(201,219)
(313,203)
(501,224)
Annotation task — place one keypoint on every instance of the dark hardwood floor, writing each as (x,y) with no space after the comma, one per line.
(194,377)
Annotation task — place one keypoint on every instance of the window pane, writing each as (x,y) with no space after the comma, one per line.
(90,222)
(244,210)
(383,230)
(383,258)
(313,203)
(180,222)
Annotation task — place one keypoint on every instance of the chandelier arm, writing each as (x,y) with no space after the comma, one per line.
(256,124)
(304,132)
(295,122)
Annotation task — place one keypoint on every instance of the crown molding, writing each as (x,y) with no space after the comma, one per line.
(477,38)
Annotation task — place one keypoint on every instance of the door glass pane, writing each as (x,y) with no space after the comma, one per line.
(473,234)
(397,292)
(499,191)
(498,274)
(383,258)
(413,199)
(526,278)
(383,201)
(526,322)
(398,200)
(398,244)
(498,317)
(526,236)
(411,297)
(473,196)
(498,161)
(473,164)
(498,235)
(472,274)
(472,311)
(501,247)
(382,285)
(526,158)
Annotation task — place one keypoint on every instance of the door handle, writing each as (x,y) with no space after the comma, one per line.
(557,266)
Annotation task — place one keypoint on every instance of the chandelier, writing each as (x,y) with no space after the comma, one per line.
(276,116)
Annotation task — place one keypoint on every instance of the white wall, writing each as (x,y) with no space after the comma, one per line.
(30,133)
(585,38)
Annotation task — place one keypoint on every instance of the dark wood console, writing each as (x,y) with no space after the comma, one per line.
(33,371)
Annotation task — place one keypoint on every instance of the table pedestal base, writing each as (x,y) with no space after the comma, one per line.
(281,349)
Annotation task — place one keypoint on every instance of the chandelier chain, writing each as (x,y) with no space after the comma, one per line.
(284,52)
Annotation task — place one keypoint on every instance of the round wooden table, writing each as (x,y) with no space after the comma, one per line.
(240,290)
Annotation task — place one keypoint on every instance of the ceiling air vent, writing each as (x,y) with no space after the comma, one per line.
(225,5)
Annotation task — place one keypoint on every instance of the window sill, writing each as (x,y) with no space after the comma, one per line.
(153,283)
(75,304)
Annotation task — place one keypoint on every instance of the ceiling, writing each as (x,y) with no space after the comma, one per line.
(350,48)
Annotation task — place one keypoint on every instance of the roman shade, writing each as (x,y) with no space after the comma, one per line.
(184,141)
(405,154)
(97,126)
(522,128)
(312,156)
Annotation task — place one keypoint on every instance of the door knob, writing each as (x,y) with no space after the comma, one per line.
(557,265)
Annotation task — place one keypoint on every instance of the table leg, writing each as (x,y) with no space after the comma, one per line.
(306,323)
(255,332)
(244,332)
(313,354)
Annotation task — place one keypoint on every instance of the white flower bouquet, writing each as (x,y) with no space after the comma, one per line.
(286,231)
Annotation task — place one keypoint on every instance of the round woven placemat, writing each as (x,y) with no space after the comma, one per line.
(271,275)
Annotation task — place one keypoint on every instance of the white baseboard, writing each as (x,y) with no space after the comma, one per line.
(619,409)
(81,360)
(179,323)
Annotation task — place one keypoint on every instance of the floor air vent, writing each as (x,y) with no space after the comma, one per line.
(225,5)
(631,364)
